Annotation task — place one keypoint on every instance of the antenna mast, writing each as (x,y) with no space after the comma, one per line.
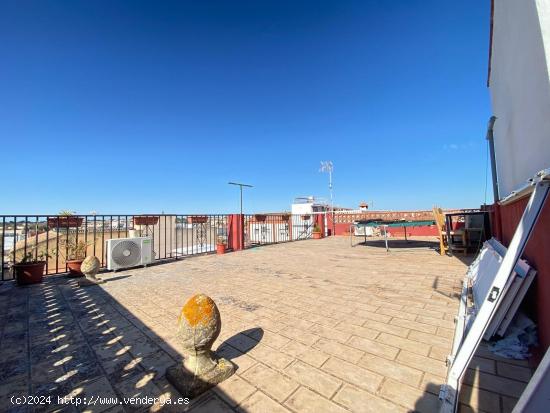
(327,166)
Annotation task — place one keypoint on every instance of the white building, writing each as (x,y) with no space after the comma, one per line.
(10,237)
(308,205)
(519,82)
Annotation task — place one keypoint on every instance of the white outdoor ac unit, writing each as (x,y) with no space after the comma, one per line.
(129,252)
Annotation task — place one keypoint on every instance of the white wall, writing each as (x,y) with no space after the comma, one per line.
(302,209)
(520,90)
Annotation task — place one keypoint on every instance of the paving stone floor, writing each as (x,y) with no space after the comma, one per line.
(313,326)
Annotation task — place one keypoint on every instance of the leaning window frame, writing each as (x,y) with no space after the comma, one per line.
(465,349)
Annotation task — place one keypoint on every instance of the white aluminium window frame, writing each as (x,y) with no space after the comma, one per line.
(449,391)
(534,398)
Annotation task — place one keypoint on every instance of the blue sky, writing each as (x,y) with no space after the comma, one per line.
(127,107)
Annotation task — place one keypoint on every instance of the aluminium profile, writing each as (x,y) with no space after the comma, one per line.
(531,214)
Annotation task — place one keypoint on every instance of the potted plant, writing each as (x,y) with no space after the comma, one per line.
(220,245)
(316,234)
(65,219)
(306,217)
(260,217)
(146,220)
(73,252)
(197,219)
(30,267)
(285,217)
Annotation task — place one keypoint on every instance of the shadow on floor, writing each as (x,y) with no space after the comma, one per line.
(448,292)
(466,259)
(239,344)
(60,340)
(120,277)
(429,402)
(482,388)
(398,244)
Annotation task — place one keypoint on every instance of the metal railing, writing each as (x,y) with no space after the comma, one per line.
(174,236)
(264,229)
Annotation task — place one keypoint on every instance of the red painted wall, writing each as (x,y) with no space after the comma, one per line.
(320,220)
(343,229)
(537,253)
(412,231)
(235,234)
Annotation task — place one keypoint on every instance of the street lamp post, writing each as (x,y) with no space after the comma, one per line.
(240,185)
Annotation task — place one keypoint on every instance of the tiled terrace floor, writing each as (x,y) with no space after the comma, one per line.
(313,326)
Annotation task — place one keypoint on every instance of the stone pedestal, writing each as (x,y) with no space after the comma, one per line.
(199,325)
(90,267)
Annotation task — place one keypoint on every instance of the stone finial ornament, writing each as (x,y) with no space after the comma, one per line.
(90,267)
(199,325)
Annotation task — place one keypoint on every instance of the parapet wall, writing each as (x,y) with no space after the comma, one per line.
(344,219)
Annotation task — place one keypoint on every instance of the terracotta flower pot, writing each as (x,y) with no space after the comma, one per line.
(146,220)
(31,273)
(64,221)
(74,268)
(220,249)
(316,235)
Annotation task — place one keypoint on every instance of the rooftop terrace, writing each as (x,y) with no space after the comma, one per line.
(313,326)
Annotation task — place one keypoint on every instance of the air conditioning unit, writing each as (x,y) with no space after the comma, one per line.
(129,252)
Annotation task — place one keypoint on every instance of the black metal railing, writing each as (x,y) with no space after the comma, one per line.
(263,229)
(174,236)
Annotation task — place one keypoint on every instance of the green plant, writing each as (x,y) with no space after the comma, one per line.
(221,240)
(316,228)
(71,249)
(31,257)
(65,213)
